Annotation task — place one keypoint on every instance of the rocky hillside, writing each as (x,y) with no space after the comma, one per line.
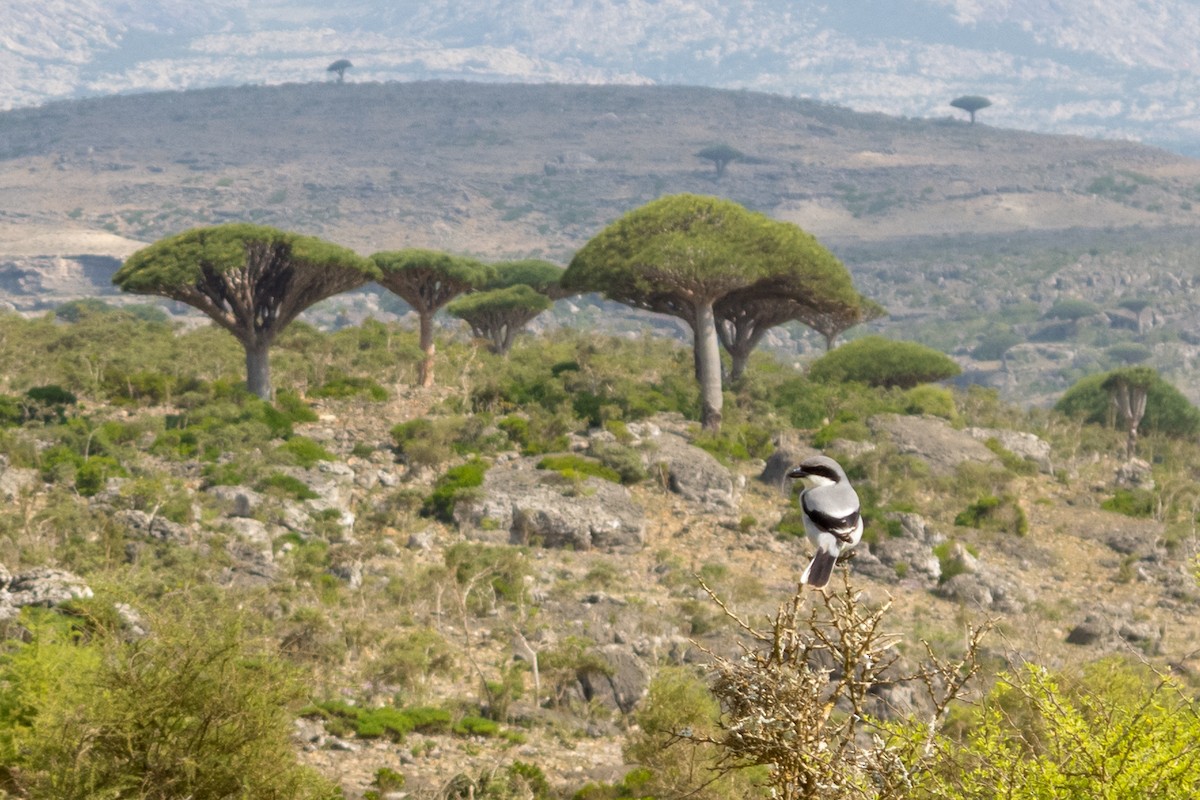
(413,552)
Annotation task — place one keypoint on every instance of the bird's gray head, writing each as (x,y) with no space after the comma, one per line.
(820,471)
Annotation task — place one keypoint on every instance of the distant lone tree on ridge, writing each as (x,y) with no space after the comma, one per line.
(721,155)
(971,103)
(339,67)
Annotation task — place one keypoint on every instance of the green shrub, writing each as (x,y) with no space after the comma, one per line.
(845,427)
(1011,461)
(12,413)
(278,483)
(431,441)
(625,461)
(577,467)
(408,660)
(476,726)
(47,404)
(505,568)
(457,483)
(1111,729)
(929,399)
(197,709)
(995,513)
(1131,503)
(877,361)
(679,700)
(304,452)
(342,386)
(383,722)
(737,442)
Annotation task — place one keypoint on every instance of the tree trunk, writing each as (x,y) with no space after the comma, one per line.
(425,371)
(258,369)
(708,366)
(738,359)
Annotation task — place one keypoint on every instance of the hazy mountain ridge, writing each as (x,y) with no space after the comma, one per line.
(1098,69)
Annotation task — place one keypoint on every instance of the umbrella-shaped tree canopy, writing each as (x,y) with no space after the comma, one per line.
(250,279)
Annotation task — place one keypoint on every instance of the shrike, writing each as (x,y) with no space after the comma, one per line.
(831,515)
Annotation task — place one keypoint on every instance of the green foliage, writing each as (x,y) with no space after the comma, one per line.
(737,442)
(678,700)
(1110,730)
(430,441)
(498,315)
(179,261)
(995,513)
(1072,310)
(994,345)
(541,276)
(929,399)
(441,275)
(519,781)
(576,467)
(304,452)
(47,404)
(198,709)
(876,361)
(410,658)
(389,722)
(1131,503)
(1011,461)
(501,569)
(279,483)
(625,461)
(343,386)
(456,484)
(1168,412)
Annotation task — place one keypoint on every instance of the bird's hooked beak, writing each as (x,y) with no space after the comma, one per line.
(798,472)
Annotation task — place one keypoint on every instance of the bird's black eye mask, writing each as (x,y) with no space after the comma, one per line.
(819,470)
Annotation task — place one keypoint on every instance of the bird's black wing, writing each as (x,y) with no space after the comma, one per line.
(841,527)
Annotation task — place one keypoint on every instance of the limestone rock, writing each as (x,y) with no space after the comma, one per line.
(1025,445)
(932,440)
(521,504)
(694,474)
(242,502)
(46,586)
(782,461)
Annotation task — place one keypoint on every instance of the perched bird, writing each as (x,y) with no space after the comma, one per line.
(831,515)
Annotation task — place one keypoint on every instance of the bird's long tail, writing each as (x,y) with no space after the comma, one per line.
(819,569)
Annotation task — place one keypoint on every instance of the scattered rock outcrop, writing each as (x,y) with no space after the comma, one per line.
(521,504)
(932,440)
(41,586)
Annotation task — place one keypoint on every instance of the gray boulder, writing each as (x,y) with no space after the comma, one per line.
(521,504)
(694,474)
(908,555)
(150,526)
(1020,443)
(15,481)
(242,502)
(781,462)
(932,440)
(625,682)
(45,586)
